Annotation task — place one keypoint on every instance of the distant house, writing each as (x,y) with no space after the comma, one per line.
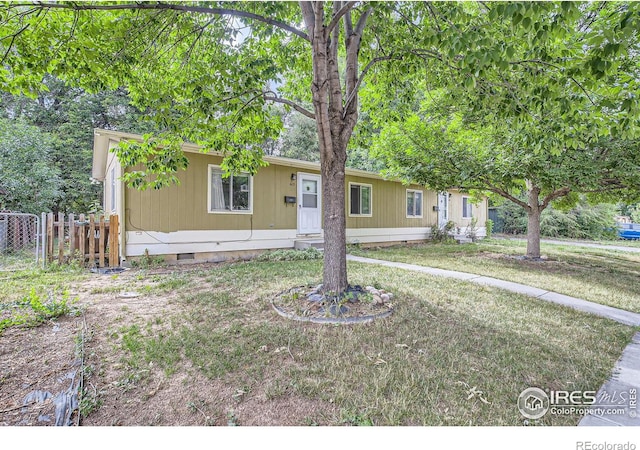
(211,218)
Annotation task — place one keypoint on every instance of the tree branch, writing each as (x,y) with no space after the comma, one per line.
(309,16)
(274,98)
(505,194)
(362,21)
(13,38)
(545,63)
(366,69)
(554,195)
(172,7)
(335,20)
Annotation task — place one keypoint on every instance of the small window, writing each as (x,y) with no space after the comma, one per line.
(230,194)
(414,203)
(112,183)
(467,211)
(359,199)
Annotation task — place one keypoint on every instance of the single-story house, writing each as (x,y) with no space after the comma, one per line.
(210,218)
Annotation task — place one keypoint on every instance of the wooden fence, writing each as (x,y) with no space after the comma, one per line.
(93,242)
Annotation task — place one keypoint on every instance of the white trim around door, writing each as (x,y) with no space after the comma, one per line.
(309,203)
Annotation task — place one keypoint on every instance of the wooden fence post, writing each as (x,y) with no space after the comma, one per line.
(101,249)
(50,236)
(60,238)
(82,236)
(72,236)
(92,240)
(113,241)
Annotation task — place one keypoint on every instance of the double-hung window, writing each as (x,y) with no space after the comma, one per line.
(414,203)
(359,199)
(231,194)
(467,209)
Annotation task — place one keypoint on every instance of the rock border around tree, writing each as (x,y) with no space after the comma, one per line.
(357,305)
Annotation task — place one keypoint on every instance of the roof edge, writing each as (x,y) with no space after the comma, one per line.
(101,149)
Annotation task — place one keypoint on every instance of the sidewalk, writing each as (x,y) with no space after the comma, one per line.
(619,315)
(625,379)
(620,248)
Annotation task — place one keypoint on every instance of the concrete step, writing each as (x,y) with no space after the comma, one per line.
(302,244)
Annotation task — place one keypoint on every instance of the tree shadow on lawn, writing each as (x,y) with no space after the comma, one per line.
(453,353)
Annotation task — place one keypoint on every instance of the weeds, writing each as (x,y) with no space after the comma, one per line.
(32,310)
(147,261)
(291,255)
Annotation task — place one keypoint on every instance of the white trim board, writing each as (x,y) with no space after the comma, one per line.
(204,241)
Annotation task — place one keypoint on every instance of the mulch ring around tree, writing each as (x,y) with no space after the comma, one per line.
(356,305)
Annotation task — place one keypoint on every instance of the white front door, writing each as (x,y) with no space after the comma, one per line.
(309,204)
(443,209)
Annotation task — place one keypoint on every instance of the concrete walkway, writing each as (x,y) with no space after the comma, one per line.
(619,248)
(619,315)
(623,385)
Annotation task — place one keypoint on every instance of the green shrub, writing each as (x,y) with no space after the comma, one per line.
(442,235)
(582,222)
(514,218)
(489,226)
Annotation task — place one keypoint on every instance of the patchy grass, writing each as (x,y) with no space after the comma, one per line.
(603,276)
(616,242)
(452,354)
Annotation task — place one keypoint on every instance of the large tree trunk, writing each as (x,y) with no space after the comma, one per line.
(335,122)
(335,251)
(533,221)
(533,233)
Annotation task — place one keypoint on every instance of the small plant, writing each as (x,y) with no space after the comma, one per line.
(232,420)
(89,401)
(147,261)
(442,235)
(472,229)
(356,419)
(489,226)
(31,311)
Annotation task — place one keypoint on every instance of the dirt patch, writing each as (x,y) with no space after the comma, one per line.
(40,359)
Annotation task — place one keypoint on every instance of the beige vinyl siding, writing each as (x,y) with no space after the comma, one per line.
(389,205)
(184,207)
(479,211)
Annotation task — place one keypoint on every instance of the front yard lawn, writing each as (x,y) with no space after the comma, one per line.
(603,276)
(201,345)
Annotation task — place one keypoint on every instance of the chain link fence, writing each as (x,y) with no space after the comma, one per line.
(20,240)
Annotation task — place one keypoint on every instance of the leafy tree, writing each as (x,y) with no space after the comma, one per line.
(206,69)
(453,153)
(535,126)
(300,139)
(68,116)
(29,183)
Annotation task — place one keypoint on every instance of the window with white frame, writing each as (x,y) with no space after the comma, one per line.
(467,209)
(231,194)
(414,203)
(112,186)
(359,199)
